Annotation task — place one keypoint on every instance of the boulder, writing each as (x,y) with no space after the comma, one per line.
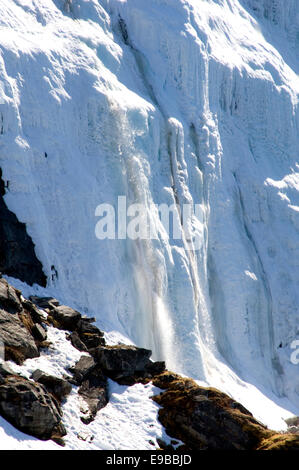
(76,341)
(39,333)
(82,369)
(65,318)
(89,334)
(44,302)
(154,368)
(94,390)
(19,344)
(60,388)
(93,386)
(126,364)
(86,326)
(30,408)
(30,307)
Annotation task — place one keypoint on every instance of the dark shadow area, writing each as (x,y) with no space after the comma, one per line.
(17,255)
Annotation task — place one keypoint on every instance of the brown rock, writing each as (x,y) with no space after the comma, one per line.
(207,419)
(65,317)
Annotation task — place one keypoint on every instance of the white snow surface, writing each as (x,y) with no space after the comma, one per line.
(192,101)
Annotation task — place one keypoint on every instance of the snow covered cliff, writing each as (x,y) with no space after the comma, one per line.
(167,101)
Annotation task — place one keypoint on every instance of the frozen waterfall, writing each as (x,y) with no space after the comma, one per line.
(165,102)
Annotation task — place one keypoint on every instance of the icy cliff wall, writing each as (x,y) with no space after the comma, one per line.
(163,101)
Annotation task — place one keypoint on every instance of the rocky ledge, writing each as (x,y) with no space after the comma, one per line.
(207,419)
(201,418)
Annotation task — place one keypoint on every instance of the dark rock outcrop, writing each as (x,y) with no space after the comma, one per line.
(82,369)
(17,255)
(44,302)
(94,390)
(30,408)
(60,388)
(65,318)
(74,338)
(93,386)
(84,335)
(89,334)
(207,419)
(127,364)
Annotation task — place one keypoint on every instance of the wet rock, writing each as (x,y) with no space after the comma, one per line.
(18,343)
(30,408)
(65,318)
(39,333)
(126,364)
(60,388)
